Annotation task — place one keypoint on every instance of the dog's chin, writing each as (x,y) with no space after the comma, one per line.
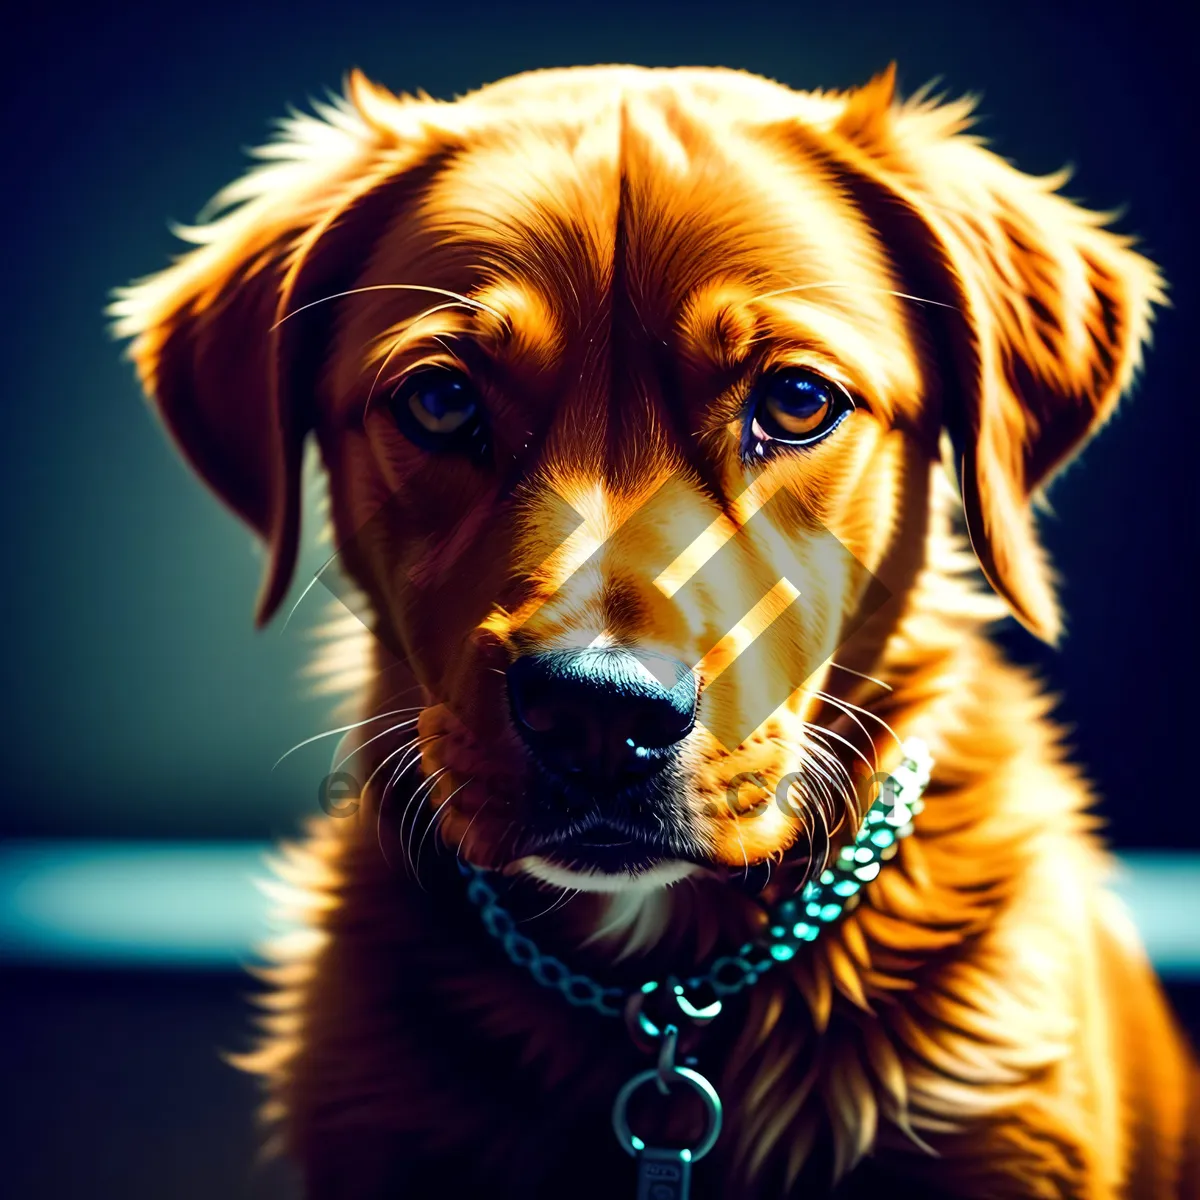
(643,875)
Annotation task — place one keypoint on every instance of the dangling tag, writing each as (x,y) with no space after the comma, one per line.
(664,1174)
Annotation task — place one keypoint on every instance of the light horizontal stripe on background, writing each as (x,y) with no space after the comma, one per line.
(197,904)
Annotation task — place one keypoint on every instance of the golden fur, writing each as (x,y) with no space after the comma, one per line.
(616,251)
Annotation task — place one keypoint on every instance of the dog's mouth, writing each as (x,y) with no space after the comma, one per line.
(610,836)
(606,844)
(605,850)
(606,855)
(639,838)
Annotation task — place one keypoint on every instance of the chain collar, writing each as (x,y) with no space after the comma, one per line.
(666,1171)
(791,923)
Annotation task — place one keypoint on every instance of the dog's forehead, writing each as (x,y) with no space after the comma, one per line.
(648,214)
(650,193)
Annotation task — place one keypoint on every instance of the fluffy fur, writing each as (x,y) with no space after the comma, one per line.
(616,252)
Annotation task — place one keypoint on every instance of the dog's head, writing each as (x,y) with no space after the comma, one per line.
(629,384)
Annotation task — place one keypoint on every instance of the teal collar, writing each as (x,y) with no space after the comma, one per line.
(666,1171)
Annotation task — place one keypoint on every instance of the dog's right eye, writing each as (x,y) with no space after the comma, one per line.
(440,409)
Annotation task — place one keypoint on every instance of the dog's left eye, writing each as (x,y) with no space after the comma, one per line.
(793,406)
(440,409)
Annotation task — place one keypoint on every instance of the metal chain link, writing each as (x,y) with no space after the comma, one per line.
(579,990)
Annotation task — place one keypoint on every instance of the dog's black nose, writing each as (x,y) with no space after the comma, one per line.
(602,717)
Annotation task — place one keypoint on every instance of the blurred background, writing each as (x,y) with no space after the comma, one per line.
(143,714)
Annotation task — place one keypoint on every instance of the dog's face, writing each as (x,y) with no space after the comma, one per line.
(629,385)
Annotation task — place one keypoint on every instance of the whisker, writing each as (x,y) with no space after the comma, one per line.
(307,588)
(390,729)
(427,786)
(869,678)
(438,820)
(833,793)
(412,760)
(393,287)
(383,804)
(565,895)
(863,287)
(822,782)
(845,789)
(846,706)
(745,856)
(838,737)
(414,796)
(402,769)
(845,798)
(379,819)
(819,832)
(822,757)
(834,702)
(398,341)
(382,367)
(797,798)
(458,853)
(402,692)
(341,729)
(406,748)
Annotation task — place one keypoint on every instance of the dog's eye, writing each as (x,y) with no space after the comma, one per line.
(440,409)
(795,407)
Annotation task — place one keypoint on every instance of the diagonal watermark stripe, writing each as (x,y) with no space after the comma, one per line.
(716,535)
(743,635)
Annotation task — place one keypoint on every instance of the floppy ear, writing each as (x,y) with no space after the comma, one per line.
(224,344)
(1048,314)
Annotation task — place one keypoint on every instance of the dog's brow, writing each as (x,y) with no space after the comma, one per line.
(718,325)
(517,325)
(512,329)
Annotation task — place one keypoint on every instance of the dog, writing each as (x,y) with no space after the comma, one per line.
(670,419)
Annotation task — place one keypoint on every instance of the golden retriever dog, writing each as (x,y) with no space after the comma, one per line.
(669,418)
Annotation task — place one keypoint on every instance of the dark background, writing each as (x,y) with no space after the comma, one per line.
(139,703)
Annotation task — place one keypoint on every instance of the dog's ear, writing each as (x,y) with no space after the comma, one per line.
(1047,312)
(230,341)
